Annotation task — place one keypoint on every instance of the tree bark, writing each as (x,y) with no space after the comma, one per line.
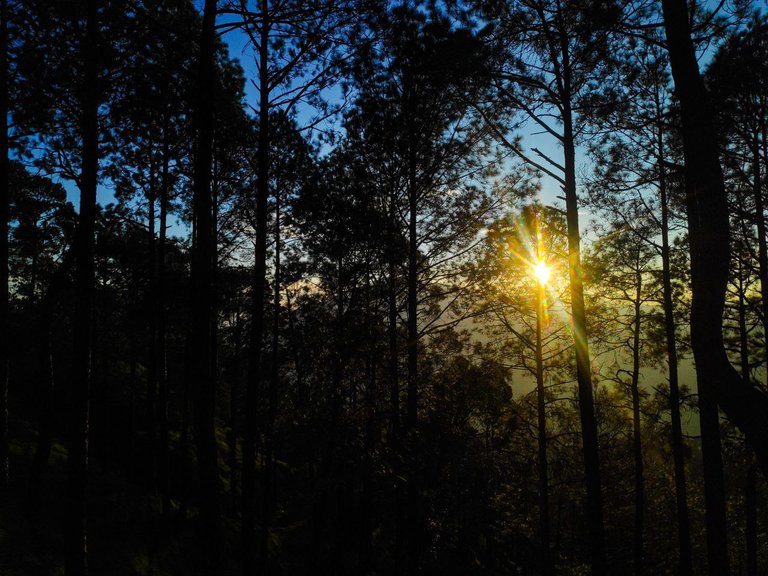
(201,345)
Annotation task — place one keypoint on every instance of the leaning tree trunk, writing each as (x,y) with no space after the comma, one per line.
(709,235)
(76,561)
(201,345)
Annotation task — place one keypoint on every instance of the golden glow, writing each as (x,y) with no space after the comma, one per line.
(541,271)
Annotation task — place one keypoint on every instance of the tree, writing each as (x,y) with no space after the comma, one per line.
(295,48)
(634,145)
(4,213)
(201,346)
(548,56)
(708,227)
(517,248)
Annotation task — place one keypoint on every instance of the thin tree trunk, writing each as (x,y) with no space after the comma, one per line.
(762,244)
(750,485)
(44,336)
(413,545)
(542,432)
(750,504)
(301,392)
(274,383)
(4,214)
(162,412)
(151,313)
(394,384)
(257,313)
(234,392)
(393,375)
(201,349)
(685,561)
(637,445)
(76,560)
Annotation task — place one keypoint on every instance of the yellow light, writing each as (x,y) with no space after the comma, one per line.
(541,271)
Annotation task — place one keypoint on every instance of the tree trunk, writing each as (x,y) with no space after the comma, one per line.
(257,307)
(4,214)
(762,244)
(201,345)
(413,547)
(594,501)
(394,380)
(685,560)
(542,434)
(709,235)
(162,410)
(394,384)
(273,387)
(637,445)
(750,504)
(76,561)
(151,313)
(43,334)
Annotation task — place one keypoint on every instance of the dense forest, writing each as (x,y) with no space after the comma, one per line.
(372,287)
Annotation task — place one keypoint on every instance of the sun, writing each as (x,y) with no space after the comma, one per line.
(541,271)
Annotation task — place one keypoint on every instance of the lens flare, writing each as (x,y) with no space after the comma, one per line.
(541,271)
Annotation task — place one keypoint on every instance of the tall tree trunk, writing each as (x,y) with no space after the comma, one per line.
(43,334)
(151,314)
(4,214)
(273,387)
(413,544)
(637,443)
(234,401)
(709,240)
(750,504)
(257,307)
(201,345)
(76,561)
(685,561)
(594,501)
(394,380)
(394,383)
(162,409)
(542,431)
(750,484)
(762,244)
(301,400)
(709,235)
